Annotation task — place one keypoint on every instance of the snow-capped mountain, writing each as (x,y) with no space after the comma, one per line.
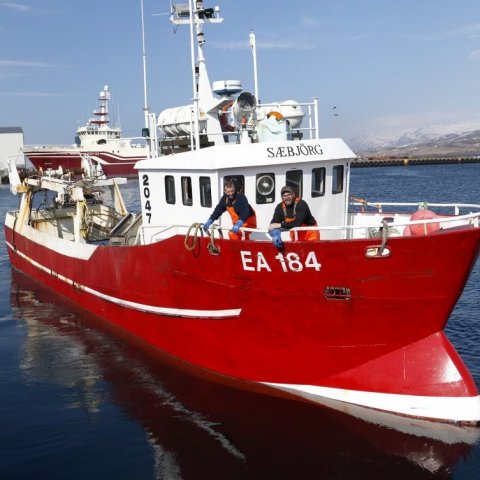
(461,138)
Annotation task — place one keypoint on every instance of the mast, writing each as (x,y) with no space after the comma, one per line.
(144,57)
(195,15)
(253,46)
(101,112)
(194,76)
(149,132)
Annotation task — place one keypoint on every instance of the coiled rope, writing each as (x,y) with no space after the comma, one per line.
(197,227)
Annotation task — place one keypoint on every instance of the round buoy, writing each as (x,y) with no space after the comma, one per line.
(419,230)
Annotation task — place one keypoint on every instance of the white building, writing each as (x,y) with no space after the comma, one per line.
(11,144)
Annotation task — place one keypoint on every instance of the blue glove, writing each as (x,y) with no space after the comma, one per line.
(237,226)
(207,224)
(276,237)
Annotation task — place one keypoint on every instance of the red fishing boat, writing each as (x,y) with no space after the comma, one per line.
(357,316)
(99,141)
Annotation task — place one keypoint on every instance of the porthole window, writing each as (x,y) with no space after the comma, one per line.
(170,189)
(337,179)
(318,182)
(265,188)
(205,192)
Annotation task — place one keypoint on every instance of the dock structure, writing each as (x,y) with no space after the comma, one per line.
(394,161)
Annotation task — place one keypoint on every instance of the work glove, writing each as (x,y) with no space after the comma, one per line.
(237,226)
(276,237)
(207,224)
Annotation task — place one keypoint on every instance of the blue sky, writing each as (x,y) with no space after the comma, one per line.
(387,65)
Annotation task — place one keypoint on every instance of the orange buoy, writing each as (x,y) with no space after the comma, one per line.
(420,229)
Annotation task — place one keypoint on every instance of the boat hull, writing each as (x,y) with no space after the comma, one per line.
(247,315)
(111,163)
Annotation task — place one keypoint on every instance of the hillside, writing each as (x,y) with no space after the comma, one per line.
(440,141)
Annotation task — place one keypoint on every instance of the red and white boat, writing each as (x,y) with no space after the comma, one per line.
(104,144)
(357,317)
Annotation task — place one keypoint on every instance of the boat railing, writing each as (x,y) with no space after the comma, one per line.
(393,227)
(49,147)
(309,128)
(141,141)
(379,206)
(311,115)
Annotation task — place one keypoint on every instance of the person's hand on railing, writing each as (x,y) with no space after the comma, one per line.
(237,226)
(276,235)
(207,224)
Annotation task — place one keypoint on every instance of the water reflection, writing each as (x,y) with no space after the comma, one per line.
(197,428)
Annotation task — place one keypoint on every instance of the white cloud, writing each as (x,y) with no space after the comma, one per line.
(464,31)
(284,45)
(473,55)
(19,7)
(265,45)
(30,94)
(398,124)
(8,76)
(356,38)
(310,22)
(22,63)
(469,31)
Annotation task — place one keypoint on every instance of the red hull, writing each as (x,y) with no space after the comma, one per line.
(112,164)
(387,338)
(126,370)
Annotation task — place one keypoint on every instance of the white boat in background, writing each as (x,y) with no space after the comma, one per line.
(104,144)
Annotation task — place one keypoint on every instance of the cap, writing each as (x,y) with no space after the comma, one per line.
(286,189)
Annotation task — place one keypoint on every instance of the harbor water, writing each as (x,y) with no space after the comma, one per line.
(79,402)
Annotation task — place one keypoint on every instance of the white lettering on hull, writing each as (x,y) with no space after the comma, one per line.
(291,262)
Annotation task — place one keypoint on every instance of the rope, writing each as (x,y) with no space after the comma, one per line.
(212,248)
(197,227)
(384,238)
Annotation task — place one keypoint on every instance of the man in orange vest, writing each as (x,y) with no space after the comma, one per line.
(293,212)
(236,204)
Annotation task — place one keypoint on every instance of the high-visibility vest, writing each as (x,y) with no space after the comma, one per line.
(305,236)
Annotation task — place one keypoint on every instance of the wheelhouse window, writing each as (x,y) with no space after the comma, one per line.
(187,198)
(294,179)
(238,181)
(337,179)
(265,188)
(318,182)
(169,189)
(205,192)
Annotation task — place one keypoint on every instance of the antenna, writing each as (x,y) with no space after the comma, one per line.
(253,46)
(193,15)
(118,116)
(144,56)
